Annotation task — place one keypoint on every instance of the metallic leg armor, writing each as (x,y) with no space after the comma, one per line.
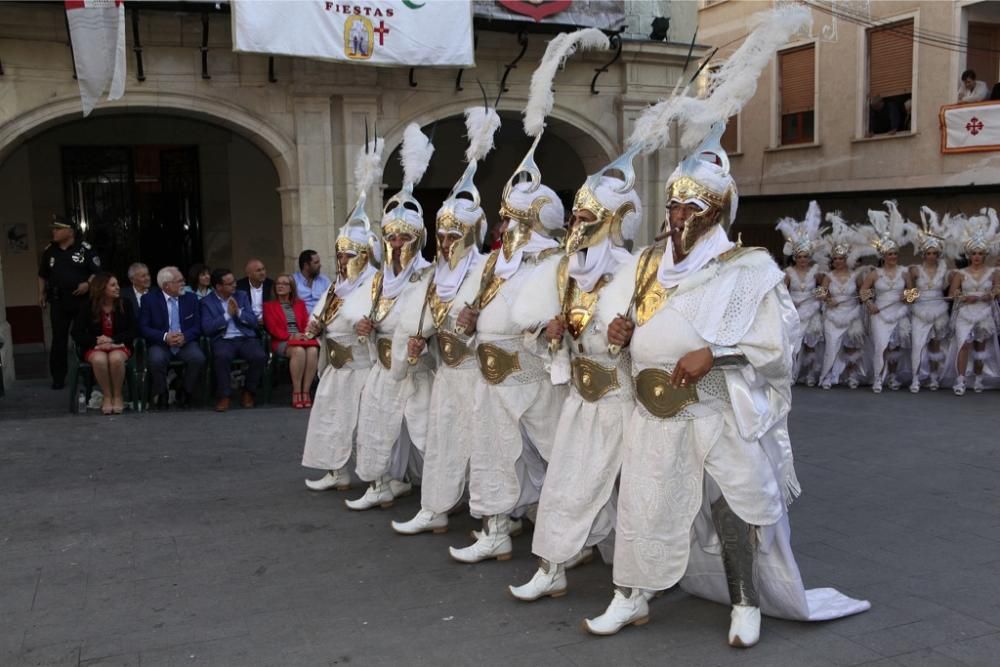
(738,552)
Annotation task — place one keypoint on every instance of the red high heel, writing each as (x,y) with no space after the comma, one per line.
(297,400)
(306,400)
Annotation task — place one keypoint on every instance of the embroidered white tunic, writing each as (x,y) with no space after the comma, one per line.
(890,326)
(843,327)
(929,317)
(333,419)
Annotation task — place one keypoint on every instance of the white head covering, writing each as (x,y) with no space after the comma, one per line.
(449,280)
(588,265)
(523,196)
(801,237)
(978,232)
(361,235)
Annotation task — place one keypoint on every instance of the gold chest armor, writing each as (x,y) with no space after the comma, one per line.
(495,363)
(338,355)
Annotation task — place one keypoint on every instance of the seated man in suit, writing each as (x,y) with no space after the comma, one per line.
(138,278)
(257,286)
(169,321)
(227,318)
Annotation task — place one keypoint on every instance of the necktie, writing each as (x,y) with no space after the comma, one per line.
(175,319)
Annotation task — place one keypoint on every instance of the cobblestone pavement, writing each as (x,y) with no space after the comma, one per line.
(189,539)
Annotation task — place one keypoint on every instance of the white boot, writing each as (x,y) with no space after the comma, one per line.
(516,528)
(334,479)
(622,611)
(378,494)
(492,542)
(400,489)
(585,556)
(744,628)
(551,583)
(423,522)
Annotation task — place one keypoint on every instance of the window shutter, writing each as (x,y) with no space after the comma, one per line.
(890,59)
(730,138)
(797,79)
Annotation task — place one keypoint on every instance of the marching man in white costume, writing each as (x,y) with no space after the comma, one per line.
(974,291)
(928,282)
(392,425)
(708,470)
(461,229)
(802,280)
(344,365)
(574,513)
(885,296)
(516,406)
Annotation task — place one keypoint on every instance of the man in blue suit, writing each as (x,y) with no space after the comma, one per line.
(227,318)
(169,321)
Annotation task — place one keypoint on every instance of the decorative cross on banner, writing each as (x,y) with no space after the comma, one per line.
(974,126)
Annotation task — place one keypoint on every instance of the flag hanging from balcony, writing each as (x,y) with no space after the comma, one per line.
(97,30)
(405,33)
(970,128)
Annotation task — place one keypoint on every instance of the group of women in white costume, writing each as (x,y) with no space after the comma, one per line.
(888,323)
(564,378)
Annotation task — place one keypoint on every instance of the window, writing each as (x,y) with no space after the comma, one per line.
(890,77)
(731,137)
(797,69)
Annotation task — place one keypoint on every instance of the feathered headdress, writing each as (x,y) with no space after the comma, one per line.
(357,234)
(402,210)
(842,240)
(977,233)
(801,237)
(886,231)
(932,233)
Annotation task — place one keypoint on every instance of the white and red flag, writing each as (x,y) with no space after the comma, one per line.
(970,128)
(97,28)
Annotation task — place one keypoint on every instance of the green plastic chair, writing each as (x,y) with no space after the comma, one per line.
(146,382)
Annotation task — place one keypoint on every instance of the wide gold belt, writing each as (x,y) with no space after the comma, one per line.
(453,349)
(338,355)
(593,380)
(384,348)
(495,363)
(654,391)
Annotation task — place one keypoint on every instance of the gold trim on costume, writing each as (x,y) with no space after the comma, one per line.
(384,348)
(489,283)
(576,305)
(654,391)
(453,349)
(332,306)
(495,363)
(593,380)
(381,305)
(338,355)
(439,308)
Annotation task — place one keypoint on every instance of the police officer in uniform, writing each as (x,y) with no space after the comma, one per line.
(63,282)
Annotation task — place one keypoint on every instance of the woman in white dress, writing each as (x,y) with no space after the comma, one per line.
(927,283)
(802,280)
(882,292)
(843,324)
(974,291)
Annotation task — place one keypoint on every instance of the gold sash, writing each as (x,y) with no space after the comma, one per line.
(656,394)
(453,349)
(338,355)
(384,348)
(593,380)
(495,363)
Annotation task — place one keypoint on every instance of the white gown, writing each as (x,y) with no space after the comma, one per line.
(975,322)
(929,320)
(577,502)
(736,434)
(890,327)
(514,422)
(333,419)
(800,289)
(449,445)
(392,425)
(843,327)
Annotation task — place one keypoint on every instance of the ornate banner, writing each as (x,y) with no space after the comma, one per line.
(970,128)
(406,33)
(602,14)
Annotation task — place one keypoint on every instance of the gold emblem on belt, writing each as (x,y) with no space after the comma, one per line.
(593,380)
(453,349)
(384,348)
(495,363)
(663,400)
(338,355)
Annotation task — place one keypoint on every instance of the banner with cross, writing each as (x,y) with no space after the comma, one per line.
(404,33)
(970,128)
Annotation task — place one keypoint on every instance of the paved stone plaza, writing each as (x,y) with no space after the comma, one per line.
(189,539)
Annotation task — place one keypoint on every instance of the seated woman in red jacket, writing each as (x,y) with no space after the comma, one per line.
(104,329)
(286,319)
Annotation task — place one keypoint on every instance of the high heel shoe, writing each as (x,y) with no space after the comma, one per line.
(306,400)
(118,405)
(106,405)
(297,400)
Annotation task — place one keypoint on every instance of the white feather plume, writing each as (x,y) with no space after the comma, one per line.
(415,154)
(730,87)
(368,166)
(886,225)
(806,231)
(541,98)
(480,126)
(841,233)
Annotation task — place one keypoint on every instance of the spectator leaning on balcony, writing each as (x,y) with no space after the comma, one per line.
(884,116)
(971,90)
